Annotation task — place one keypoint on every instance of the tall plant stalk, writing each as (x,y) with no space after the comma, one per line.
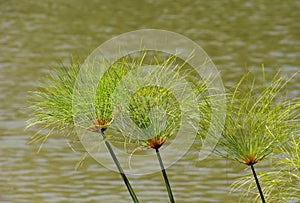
(120,169)
(163,170)
(258,185)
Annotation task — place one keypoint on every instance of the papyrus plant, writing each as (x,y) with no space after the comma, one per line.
(156,103)
(53,112)
(260,118)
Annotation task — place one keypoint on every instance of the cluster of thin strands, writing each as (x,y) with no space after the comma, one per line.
(282,181)
(51,104)
(53,108)
(53,111)
(154,110)
(258,119)
(99,115)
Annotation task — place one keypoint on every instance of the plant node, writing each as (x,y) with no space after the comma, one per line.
(156,142)
(250,160)
(99,125)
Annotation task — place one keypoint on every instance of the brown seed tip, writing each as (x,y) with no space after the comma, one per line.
(156,142)
(250,160)
(99,125)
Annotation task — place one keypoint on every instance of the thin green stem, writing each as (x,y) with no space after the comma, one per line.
(126,181)
(165,176)
(258,185)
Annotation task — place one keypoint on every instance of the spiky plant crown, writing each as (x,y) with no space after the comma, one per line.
(154,110)
(281,181)
(259,118)
(140,106)
(52,103)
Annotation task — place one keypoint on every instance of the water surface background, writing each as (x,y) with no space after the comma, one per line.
(36,35)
